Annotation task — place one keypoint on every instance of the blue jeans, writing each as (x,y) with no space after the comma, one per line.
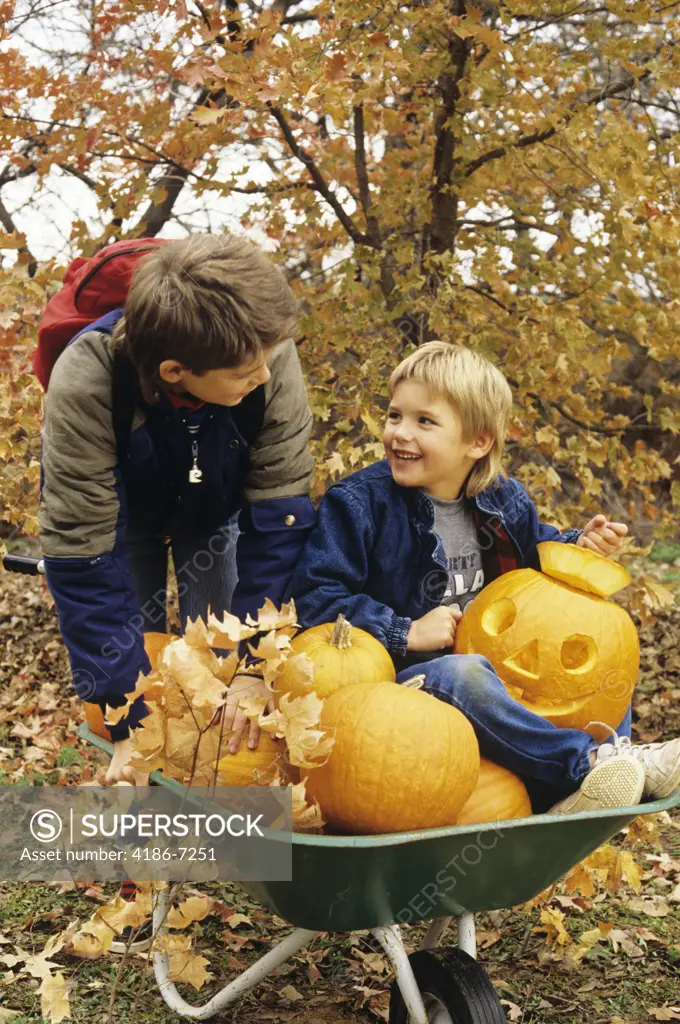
(205,569)
(551,761)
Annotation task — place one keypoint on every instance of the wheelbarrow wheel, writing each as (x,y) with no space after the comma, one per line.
(455,990)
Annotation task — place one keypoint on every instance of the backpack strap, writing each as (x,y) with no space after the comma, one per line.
(125,394)
(249,414)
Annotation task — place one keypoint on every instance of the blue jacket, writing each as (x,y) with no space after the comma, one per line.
(374,556)
(88,500)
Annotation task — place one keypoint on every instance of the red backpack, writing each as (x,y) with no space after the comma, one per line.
(91,288)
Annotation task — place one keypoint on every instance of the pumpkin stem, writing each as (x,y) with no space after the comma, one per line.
(341,633)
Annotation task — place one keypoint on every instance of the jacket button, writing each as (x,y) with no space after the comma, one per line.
(289,520)
(233,443)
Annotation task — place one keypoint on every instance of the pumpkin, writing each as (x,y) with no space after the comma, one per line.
(255,767)
(498,796)
(153,644)
(561,650)
(244,768)
(401,760)
(341,654)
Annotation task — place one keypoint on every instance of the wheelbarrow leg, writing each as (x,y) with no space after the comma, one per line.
(467,939)
(466,934)
(236,988)
(435,933)
(391,941)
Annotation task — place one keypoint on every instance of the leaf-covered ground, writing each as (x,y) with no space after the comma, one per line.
(631,975)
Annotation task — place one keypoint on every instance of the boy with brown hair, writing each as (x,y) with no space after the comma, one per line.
(164,421)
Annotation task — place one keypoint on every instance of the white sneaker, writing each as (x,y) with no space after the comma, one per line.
(613,782)
(661,762)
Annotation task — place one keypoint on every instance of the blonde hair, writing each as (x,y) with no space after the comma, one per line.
(208,301)
(476,390)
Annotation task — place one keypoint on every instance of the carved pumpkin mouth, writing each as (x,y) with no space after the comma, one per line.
(548,709)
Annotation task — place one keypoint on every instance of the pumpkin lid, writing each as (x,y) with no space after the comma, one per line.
(581,568)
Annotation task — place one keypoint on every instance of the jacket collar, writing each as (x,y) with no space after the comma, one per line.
(422,507)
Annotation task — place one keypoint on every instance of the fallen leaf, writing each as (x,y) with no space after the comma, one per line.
(184,966)
(54,1004)
(291,993)
(622,939)
(236,919)
(552,924)
(196,908)
(653,906)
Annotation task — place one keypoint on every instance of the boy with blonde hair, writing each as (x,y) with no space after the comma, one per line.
(401,548)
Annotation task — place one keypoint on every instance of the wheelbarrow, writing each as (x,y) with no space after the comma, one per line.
(377,883)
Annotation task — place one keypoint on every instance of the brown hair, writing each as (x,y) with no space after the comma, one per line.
(476,390)
(208,301)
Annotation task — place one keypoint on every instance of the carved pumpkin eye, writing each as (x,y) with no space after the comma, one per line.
(499,616)
(578,653)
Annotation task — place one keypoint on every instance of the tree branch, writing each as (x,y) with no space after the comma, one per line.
(10,227)
(440,234)
(594,96)
(362,174)
(319,181)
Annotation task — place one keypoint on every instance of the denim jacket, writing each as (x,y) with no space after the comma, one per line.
(374,556)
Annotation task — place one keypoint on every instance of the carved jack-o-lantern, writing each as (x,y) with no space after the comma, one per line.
(559,647)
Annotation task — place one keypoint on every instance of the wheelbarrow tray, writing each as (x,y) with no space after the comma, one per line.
(347,883)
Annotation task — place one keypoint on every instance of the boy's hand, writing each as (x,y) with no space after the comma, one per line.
(434,630)
(602,536)
(235,720)
(120,771)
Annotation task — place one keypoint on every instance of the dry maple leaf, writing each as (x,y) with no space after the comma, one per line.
(195,908)
(93,939)
(270,617)
(306,816)
(300,672)
(195,672)
(295,719)
(120,914)
(113,715)
(228,631)
(54,1002)
(167,942)
(184,966)
(552,924)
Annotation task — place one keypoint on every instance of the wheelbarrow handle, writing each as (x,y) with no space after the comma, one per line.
(24,564)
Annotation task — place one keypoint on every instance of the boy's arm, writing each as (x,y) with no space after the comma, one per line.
(332,572)
(278,514)
(82,523)
(530,531)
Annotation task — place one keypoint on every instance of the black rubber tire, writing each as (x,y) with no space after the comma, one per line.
(457,980)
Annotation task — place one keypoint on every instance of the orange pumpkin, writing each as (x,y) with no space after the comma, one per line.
(153,644)
(561,650)
(341,654)
(186,757)
(254,767)
(498,796)
(401,760)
